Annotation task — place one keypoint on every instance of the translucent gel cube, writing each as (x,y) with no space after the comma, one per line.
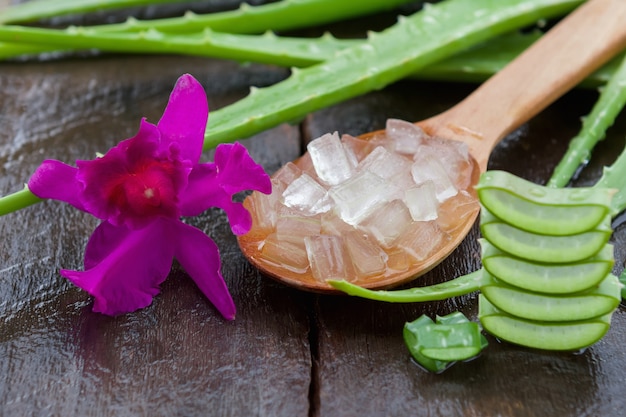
(427,168)
(359,196)
(263,209)
(366,255)
(280,252)
(420,239)
(422,201)
(327,257)
(306,195)
(453,155)
(387,223)
(294,229)
(384,163)
(330,160)
(407,137)
(287,174)
(362,147)
(333,225)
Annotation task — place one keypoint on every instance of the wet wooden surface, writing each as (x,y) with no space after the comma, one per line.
(288,353)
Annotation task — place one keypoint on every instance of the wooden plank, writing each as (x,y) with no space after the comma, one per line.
(177,356)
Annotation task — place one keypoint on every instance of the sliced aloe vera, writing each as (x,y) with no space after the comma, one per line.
(538,209)
(544,277)
(571,336)
(542,248)
(598,301)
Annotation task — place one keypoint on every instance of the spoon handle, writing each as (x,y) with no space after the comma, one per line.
(574,48)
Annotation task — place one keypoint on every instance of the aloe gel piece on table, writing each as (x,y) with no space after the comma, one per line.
(436,345)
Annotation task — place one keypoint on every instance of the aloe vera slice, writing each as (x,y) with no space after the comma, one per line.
(538,209)
(543,248)
(566,336)
(598,301)
(547,278)
(436,345)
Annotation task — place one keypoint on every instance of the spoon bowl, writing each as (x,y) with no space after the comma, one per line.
(574,48)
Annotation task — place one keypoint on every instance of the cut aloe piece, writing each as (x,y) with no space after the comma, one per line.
(542,248)
(436,345)
(598,301)
(572,335)
(538,209)
(547,278)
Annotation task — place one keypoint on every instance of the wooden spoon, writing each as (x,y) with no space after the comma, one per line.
(574,48)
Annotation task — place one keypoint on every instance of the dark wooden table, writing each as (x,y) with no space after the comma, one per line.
(288,353)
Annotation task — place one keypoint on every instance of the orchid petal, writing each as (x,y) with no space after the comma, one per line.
(129,275)
(204,191)
(103,242)
(56,180)
(238,171)
(199,256)
(184,120)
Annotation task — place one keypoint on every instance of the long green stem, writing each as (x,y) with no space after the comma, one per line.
(41,9)
(610,103)
(17,201)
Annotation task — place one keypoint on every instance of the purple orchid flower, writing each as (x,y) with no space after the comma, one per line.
(140,189)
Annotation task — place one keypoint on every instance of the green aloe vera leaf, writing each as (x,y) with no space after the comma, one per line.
(598,301)
(539,209)
(267,48)
(459,286)
(547,278)
(544,248)
(610,103)
(614,177)
(41,9)
(442,29)
(564,336)
(276,16)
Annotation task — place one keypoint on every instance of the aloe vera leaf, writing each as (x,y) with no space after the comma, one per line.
(538,209)
(41,9)
(459,286)
(281,15)
(597,301)
(442,29)
(267,48)
(544,248)
(547,278)
(611,101)
(571,336)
